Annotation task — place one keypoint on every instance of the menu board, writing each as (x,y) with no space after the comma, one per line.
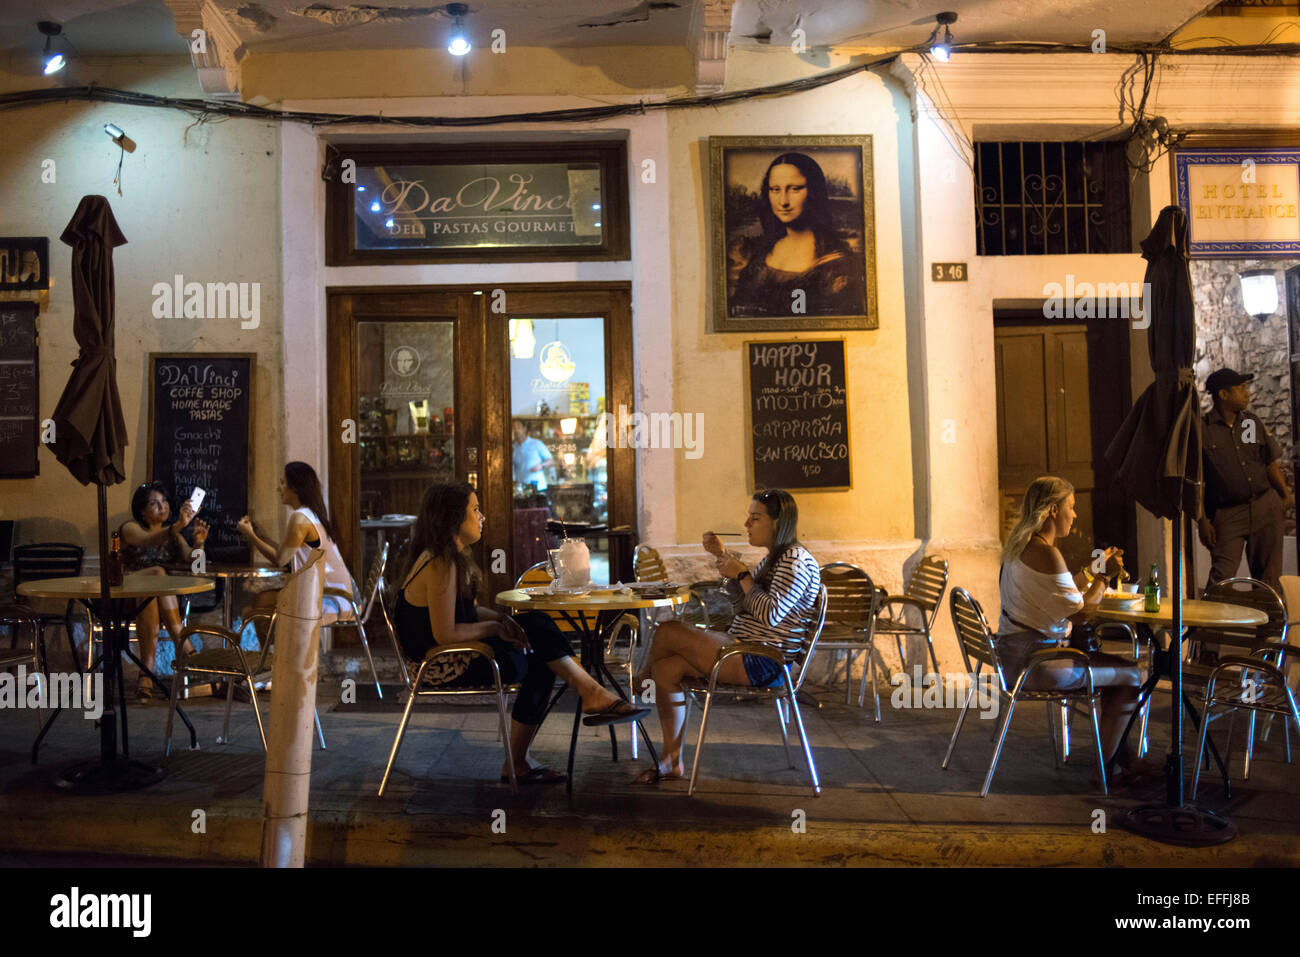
(798,414)
(200,434)
(19,390)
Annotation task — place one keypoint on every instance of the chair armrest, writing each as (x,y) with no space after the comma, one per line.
(474,647)
(334,591)
(900,600)
(748,648)
(1048,655)
(227,636)
(1127,633)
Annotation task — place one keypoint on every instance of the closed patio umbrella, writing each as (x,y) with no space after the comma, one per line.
(1156,455)
(90,430)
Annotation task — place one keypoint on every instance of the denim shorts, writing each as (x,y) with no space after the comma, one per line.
(762,672)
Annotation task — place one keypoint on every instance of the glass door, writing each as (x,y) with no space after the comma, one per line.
(559,461)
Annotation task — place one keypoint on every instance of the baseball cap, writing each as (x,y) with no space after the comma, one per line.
(1224,379)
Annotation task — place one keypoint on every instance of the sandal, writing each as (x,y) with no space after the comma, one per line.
(619,712)
(538,775)
(654,776)
(145,691)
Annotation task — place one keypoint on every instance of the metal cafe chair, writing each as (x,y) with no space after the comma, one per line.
(924,592)
(15,618)
(356,616)
(852,603)
(979,648)
(414,674)
(793,654)
(1206,645)
(649,567)
(227,660)
(48,560)
(1245,683)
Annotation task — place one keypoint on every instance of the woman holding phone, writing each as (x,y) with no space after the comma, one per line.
(150,542)
(769,601)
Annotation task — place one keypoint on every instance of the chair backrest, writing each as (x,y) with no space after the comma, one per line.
(1251,593)
(539,574)
(808,629)
(929,582)
(374,581)
(648,566)
(974,634)
(852,598)
(47,560)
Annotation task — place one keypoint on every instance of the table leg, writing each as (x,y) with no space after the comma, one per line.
(227,604)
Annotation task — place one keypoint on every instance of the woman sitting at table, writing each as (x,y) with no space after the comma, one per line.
(309,528)
(769,601)
(149,542)
(436,605)
(1042,604)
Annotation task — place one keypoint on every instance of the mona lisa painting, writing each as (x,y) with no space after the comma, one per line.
(794,245)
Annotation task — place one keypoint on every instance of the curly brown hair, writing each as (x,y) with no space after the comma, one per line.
(441,515)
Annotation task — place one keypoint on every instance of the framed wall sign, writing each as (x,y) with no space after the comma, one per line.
(20,390)
(1240,203)
(24,263)
(793,241)
(485,202)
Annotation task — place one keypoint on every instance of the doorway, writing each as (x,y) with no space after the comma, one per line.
(437,382)
(1062,393)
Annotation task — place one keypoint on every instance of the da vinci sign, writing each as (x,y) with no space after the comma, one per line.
(1240,203)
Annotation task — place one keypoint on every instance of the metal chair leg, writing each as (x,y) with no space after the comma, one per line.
(320,732)
(397,742)
(952,742)
(803,736)
(1200,752)
(848,676)
(257,712)
(1145,743)
(365,645)
(1101,758)
(177,681)
(1250,746)
(699,743)
(785,735)
(997,752)
(505,737)
(1051,735)
(230,698)
(1065,730)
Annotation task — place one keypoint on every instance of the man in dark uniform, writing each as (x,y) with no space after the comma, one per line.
(1245,493)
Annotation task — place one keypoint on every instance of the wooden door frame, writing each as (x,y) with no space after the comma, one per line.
(1011,314)
(479,423)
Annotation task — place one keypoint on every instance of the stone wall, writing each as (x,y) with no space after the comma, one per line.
(1227,336)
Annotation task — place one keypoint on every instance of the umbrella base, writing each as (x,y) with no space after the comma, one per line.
(1186,826)
(99,778)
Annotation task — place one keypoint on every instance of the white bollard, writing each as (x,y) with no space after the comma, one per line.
(293,708)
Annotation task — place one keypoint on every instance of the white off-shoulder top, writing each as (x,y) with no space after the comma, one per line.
(1035,600)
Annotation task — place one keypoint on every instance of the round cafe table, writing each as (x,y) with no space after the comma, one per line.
(229,572)
(593,616)
(1196,614)
(114,772)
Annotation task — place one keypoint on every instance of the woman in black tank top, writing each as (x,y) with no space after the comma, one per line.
(436,604)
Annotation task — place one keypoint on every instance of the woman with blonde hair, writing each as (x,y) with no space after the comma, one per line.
(1042,604)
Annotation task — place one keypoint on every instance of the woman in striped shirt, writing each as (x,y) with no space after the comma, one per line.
(771,601)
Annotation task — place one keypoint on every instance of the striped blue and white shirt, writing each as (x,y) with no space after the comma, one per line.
(770,614)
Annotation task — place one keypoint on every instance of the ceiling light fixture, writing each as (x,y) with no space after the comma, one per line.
(459,44)
(941,49)
(52,62)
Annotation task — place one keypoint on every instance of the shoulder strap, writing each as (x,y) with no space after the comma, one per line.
(411,577)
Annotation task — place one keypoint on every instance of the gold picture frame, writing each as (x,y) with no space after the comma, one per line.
(804,257)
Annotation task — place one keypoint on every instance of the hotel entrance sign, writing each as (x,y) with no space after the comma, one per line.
(1240,203)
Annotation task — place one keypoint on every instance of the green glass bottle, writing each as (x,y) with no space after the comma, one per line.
(1151,593)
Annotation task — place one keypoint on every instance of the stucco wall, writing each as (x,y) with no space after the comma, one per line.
(195,201)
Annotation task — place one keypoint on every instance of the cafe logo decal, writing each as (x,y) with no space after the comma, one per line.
(404,360)
(556,363)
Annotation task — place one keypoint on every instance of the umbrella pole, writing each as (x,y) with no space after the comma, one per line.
(108,722)
(1174,763)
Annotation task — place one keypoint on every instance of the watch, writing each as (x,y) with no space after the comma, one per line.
(744,574)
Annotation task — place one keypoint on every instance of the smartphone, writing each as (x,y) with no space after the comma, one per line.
(196,499)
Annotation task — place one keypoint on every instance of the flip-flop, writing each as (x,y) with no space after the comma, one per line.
(538,775)
(618,712)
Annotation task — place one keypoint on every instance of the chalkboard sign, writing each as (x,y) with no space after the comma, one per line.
(798,414)
(200,433)
(19,390)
